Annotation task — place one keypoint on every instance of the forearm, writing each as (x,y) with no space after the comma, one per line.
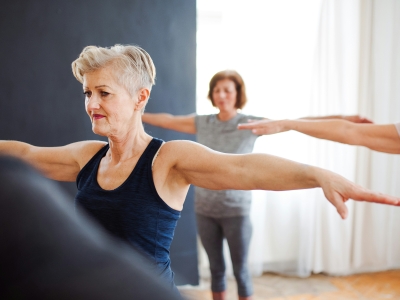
(267,172)
(184,124)
(334,130)
(163,120)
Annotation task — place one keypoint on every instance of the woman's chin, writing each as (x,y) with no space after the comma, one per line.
(226,109)
(98,131)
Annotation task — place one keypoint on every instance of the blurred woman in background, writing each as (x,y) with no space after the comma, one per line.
(224,213)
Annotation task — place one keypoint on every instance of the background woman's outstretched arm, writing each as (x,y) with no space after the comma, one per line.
(185,124)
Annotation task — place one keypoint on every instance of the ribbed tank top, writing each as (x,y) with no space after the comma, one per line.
(133,212)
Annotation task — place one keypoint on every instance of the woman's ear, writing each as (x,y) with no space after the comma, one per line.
(142,97)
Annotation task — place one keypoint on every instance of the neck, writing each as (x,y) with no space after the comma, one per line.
(226,115)
(129,144)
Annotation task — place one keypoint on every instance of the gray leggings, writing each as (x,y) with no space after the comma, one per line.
(237,231)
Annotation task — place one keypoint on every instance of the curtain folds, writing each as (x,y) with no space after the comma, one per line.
(356,69)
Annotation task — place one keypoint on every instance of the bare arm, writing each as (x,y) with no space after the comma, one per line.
(351,118)
(58,163)
(219,171)
(382,138)
(184,124)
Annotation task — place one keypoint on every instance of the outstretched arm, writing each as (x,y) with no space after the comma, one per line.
(382,138)
(184,124)
(351,118)
(58,163)
(219,171)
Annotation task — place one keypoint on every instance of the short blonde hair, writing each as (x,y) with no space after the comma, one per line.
(133,65)
(241,98)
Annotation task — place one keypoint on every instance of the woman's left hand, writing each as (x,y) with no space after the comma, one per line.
(338,190)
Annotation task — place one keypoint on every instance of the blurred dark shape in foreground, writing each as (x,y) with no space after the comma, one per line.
(47,251)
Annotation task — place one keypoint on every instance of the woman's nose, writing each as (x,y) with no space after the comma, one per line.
(92,103)
(221,94)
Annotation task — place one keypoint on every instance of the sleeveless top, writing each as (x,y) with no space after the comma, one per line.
(223,136)
(133,212)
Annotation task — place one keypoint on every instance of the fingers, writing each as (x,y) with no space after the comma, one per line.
(366,195)
(361,119)
(253,126)
(250,125)
(361,194)
(357,119)
(338,192)
(259,131)
(338,201)
(259,127)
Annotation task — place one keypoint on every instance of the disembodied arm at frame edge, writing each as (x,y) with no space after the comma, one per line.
(383,138)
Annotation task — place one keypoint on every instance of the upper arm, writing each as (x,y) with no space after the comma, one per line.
(61,163)
(201,166)
(184,124)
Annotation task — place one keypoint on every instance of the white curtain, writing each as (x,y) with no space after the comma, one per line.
(303,58)
(376,243)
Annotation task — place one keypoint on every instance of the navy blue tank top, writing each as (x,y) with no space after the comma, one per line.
(133,212)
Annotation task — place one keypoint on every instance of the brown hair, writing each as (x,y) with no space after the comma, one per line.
(234,76)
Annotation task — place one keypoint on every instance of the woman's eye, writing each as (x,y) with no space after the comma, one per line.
(104,94)
(87,94)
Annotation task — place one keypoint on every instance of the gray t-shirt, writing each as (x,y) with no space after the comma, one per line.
(224,137)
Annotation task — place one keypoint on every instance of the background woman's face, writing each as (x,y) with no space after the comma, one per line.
(224,95)
(108,104)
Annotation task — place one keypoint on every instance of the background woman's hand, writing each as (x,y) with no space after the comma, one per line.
(266,126)
(357,119)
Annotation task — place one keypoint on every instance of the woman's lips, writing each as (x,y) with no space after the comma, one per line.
(97,117)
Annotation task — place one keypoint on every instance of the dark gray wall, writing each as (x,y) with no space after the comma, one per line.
(41,102)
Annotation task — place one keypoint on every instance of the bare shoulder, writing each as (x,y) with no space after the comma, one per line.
(83,151)
(179,148)
(186,153)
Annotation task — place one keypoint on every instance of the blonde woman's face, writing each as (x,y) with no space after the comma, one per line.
(109,105)
(224,95)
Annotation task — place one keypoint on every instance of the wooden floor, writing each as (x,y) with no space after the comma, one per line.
(376,286)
